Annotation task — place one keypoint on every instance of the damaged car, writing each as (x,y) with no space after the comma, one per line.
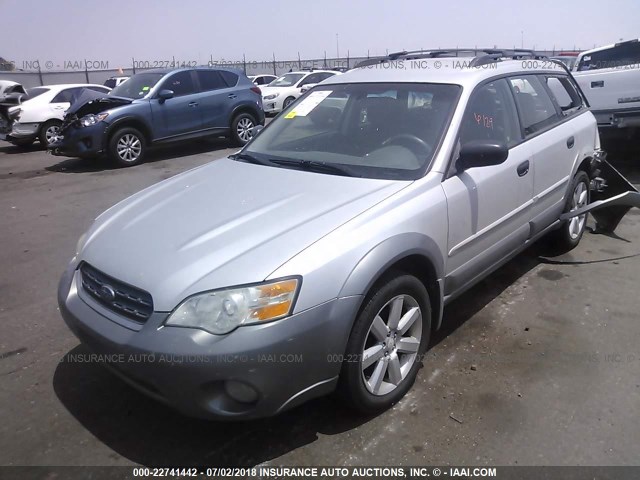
(161,106)
(40,114)
(12,94)
(322,255)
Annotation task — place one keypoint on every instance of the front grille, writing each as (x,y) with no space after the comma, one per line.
(117,296)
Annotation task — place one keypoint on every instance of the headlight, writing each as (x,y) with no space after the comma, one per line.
(222,311)
(270,97)
(89,120)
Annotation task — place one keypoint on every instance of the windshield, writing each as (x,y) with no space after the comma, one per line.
(36,91)
(369,130)
(287,80)
(137,86)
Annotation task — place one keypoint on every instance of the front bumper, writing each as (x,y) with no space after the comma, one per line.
(287,362)
(272,106)
(80,142)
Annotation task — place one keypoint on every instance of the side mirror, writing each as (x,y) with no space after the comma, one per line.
(165,95)
(481,153)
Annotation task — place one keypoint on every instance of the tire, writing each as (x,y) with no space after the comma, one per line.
(287,101)
(48,132)
(241,126)
(568,236)
(127,147)
(358,384)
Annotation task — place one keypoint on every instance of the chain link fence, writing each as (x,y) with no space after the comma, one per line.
(36,73)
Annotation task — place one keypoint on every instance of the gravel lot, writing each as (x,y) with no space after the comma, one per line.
(537,365)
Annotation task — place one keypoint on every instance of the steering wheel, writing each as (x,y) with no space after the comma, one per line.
(408,140)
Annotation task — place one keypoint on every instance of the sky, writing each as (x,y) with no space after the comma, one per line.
(115,31)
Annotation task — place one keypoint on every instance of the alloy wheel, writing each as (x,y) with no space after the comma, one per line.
(51,134)
(129,148)
(391,345)
(579,200)
(245,129)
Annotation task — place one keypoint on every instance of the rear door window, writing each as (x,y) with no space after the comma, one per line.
(565,94)
(210,80)
(535,107)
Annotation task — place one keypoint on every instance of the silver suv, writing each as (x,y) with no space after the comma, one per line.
(321,256)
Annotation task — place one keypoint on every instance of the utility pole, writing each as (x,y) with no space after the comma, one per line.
(337,47)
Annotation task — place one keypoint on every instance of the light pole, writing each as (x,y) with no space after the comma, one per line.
(521,38)
(337,47)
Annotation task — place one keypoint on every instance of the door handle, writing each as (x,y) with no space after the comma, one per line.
(523,169)
(598,84)
(232,95)
(571,141)
(193,104)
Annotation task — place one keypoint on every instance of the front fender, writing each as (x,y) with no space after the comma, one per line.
(384,255)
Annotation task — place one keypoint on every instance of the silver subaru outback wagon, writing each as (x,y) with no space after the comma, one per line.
(321,255)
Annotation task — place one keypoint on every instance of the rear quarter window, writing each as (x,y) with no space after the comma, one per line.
(230,78)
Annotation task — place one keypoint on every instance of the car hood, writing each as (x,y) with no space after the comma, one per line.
(224,224)
(91,102)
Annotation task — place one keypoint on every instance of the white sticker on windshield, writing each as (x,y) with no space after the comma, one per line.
(308,104)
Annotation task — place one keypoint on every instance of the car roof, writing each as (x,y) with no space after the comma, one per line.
(307,72)
(441,70)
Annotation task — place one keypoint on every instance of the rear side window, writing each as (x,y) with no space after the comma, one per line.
(230,78)
(625,54)
(564,94)
(67,95)
(111,83)
(535,107)
(181,83)
(491,115)
(36,91)
(210,80)
(99,89)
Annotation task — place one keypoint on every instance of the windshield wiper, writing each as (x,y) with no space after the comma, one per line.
(314,166)
(247,157)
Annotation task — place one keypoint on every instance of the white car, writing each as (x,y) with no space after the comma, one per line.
(283,91)
(40,117)
(262,80)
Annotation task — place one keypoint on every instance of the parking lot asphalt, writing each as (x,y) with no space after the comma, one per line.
(537,365)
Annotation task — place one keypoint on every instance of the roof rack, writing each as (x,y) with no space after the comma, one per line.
(479,56)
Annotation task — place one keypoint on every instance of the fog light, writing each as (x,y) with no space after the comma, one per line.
(240,392)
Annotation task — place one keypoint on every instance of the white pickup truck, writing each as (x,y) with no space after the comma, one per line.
(610,78)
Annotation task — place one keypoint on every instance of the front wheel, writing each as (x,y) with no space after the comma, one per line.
(127,147)
(384,350)
(570,233)
(287,101)
(242,128)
